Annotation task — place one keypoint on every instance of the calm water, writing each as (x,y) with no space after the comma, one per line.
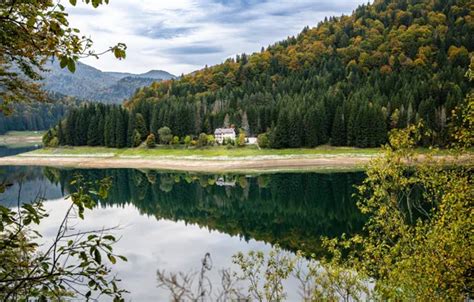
(9,151)
(170,220)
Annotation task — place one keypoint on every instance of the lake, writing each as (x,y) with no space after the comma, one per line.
(6,150)
(170,220)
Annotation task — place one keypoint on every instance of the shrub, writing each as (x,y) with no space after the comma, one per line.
(263,141)
(202,140)
(165,135)
(137,138)
(211,140)
(175,140)
(187,140)
(241,139)
(151,141)
(53,142)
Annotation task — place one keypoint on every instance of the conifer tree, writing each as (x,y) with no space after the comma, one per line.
(140,126)
(311,130)
(338,132)
(245,123)
(93,138)
(61,138)
(107,130)
(155,121)
(113,121)
(295,130)
(121,128)
(101,128)
(131,130)
(280,133)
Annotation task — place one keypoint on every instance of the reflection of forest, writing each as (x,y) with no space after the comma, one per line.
(6,151)
(293,210)
(30,182)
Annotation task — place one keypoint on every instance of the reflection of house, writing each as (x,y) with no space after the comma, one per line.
(221,182)
(222,134)
(252,140)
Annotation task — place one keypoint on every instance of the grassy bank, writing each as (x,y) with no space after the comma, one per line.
(217,159)
(217,151)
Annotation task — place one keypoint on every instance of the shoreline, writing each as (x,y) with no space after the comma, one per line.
(193,165)
(29,138)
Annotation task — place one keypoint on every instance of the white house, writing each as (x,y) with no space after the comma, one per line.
(222,134)
(252,140)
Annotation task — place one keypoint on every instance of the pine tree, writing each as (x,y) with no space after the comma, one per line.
(338,133)
(113,120)
(280,133)
(93,138)
(131,129)
(351,128)
(322,124)
(226,123)
(245,123)
(60,135)
(140,126)
(107,130)
(295,130)
(70,128)
(101,128)
(121,121)
(380,128)
(155,121)
(311,130)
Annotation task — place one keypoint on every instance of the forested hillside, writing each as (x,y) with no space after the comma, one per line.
(347,81)
(31,116)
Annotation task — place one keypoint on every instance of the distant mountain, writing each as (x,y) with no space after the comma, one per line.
(92,84)
(152,74)
(124,88)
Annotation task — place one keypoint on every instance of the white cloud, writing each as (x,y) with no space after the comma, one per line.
(184,35)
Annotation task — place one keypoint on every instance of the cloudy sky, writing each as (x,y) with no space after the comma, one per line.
(181,36)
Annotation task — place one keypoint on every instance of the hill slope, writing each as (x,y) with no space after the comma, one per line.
(92,84)
(347,81)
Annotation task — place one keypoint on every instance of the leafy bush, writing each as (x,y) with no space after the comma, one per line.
(263,141)
(165,135)
(151,141)
(202,140)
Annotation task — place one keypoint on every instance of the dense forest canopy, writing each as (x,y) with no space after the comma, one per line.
(347,81)
(32,116)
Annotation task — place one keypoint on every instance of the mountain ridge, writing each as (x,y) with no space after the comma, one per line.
(92,84)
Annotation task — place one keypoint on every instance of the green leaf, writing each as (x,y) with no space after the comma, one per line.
(63,62)
(71,65)
(97,256)
(109,237)
(73,2)
(112,258)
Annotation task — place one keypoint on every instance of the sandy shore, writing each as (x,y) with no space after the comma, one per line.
(200,165)
(12,140)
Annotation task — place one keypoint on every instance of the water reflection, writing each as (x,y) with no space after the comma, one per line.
(25,184)
(10,150)
(293,210)
(170,220)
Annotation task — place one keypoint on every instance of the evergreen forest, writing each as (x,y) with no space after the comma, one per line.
(36,115)
(346,82)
